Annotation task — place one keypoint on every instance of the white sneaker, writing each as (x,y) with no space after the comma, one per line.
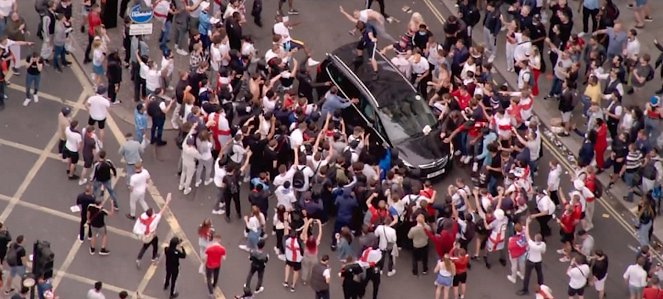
(260,290)
(198,183)
(520,275)
(312,62)
(391,273)
(208,181)
(511,279)
(560,251)
(457,153)
(187,191)
(218,212)
(182,52)
(281,257)
(82,181)
(35,98)
(581,34)
(180,188)
(565,259)
(26,102)
(276,250)
(244,247)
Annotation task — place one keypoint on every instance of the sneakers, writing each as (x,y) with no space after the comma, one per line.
(82,182)
(391,273)
(180,187)
(104,251)
(293,12)
(138,264)
(565,259)
(560,251)
(156,258)
(648,19)
(520,275)
(244,247)
(92,251)
(292,289)
(26,102)
(218,212)
(197,184)
(260,290)
(281,257)
(312,62)
(511,279)
(187,191)
(182,52)
(35,98)
(208,181)
(130,217)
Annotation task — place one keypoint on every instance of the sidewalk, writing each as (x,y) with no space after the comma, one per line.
(568,147)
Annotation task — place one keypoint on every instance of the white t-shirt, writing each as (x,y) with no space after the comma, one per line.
(98,57)
(219,173)
(268,105)
(285,197)
(138,181)
(420,67)
(636,276)
(363,15)
(6,7)
(554,178)
(282,30)
(98,107)
(93,294)
(296,138)
(578,276)
(385,234)
(74,139)
(535,251)
(544,203)
(215,56)
(280,179)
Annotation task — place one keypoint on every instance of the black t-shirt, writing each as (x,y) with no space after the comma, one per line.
(33,68)
(84,201)
(259,199)
(600,268)
(20,253)
(97,216)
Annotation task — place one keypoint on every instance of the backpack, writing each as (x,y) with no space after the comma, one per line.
(12,255)
(598,189)
(340,175)
(298,179)
(650,73)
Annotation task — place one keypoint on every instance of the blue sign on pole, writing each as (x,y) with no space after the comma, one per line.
(139,14)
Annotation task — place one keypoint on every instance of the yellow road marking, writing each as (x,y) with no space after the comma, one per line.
(107,286)
(50,97)
(29,149)
(69,259)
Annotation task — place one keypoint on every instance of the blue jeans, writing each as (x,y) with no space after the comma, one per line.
(630,180)
(163,39)
(492,185)
(129,170)
(107,184)
(651,128)
(252,239)
(61,54)
(31,80)
(556,87)
(157,129)
(461,141)
(586,103)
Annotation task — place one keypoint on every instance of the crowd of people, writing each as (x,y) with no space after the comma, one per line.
(245,118)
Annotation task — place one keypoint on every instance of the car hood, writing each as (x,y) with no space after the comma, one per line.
(423,149)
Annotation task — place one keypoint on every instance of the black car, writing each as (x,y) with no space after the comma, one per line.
(391,108)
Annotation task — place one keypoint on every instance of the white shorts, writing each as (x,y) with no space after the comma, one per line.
(599,285)
(566,117)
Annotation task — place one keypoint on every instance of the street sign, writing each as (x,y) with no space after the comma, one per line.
(140,14)
(140,29)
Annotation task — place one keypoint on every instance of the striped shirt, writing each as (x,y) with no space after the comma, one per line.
(633,161)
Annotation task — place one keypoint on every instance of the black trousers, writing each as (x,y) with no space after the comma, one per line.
(233,197)
(212,276)
(112,93)
(381,3)
(88,48)
(155,248)
(543,224)
(322,294)
(252,271)
(419,255)
(589,14)
(123,8)
(373,275)
(171,279)
(528,272)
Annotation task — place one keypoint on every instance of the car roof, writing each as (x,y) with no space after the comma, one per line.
(391,85)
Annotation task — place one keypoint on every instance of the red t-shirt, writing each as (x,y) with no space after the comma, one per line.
(652,293)
(215,254)
(461,263)
(462,99)
(568,222)
(93,20)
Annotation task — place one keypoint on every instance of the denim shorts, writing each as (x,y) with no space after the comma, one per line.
(98,69)
(17,271)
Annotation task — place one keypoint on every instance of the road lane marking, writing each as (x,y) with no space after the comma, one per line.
(69,259)
(29,149)
(35,168)
(151,270)
(65,216)
(168,216)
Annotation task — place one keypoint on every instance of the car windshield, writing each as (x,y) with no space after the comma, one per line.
(405,116)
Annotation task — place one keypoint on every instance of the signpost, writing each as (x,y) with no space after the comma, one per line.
(140,20)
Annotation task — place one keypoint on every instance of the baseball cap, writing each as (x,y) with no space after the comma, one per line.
(654,101)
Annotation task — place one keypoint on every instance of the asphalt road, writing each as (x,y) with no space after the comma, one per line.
(36,196)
